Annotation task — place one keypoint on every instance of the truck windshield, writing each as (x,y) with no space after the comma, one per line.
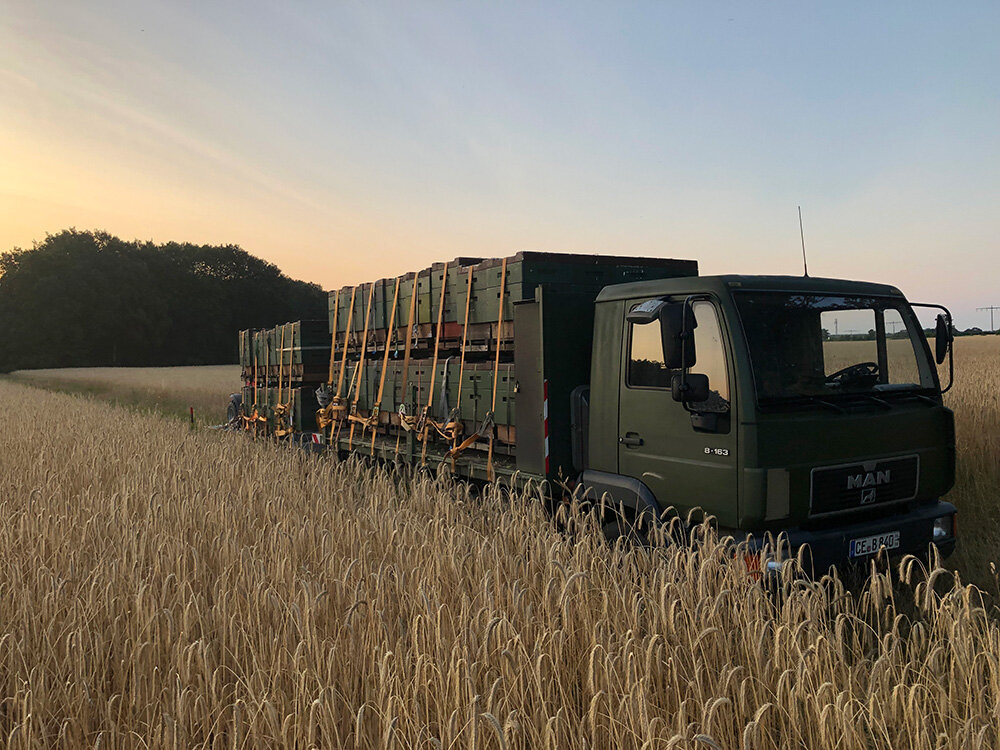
(813,346)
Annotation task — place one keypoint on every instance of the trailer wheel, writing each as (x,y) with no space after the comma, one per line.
(235,409)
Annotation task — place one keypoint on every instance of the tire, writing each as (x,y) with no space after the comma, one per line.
(235,409)
(625,528)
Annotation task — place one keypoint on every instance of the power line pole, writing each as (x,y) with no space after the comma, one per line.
(991,308)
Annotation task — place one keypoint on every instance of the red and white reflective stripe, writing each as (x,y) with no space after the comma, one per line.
(317,437)
(545,418)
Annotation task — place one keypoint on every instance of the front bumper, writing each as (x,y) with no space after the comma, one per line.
(832,546)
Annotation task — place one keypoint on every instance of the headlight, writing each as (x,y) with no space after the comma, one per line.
(773,566)
(942,528)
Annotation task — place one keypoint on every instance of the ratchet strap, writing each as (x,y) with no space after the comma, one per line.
(280,410)
(255,377)
(461,365)
(450,429)
(406,358)
(333,338)
(281,361)
(374,411)
(437,343)
(360,372)
(285,411)
(496,368)
(267,368)
(483,431)
(332,413)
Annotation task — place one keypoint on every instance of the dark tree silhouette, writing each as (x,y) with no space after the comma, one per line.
(85,299)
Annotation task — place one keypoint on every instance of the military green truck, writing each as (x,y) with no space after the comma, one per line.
(806,407)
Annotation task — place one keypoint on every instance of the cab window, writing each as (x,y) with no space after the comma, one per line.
(646,367)
(711,357)
(646,363)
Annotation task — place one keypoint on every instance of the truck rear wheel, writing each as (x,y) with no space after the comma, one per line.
(625,526)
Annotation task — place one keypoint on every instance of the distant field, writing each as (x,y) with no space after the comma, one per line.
(167,390)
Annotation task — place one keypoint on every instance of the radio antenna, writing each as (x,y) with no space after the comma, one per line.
(802,236)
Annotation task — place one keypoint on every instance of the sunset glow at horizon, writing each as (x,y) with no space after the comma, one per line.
(351,141)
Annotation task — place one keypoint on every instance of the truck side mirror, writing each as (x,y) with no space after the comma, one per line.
(673,334)
(942,339)
(690,388)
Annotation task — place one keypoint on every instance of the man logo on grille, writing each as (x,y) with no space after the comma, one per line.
(868,496)
(870,479)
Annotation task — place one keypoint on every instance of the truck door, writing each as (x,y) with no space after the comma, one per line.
(686,462)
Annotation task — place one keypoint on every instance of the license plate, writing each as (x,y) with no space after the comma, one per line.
(868,545)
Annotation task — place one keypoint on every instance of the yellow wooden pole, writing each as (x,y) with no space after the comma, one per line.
(496,369)
(437,344)
(385,360)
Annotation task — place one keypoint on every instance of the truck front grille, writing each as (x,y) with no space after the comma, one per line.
(864,484)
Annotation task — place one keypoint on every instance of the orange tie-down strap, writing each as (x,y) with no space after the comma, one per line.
(249,422)
(489,421)
(368,422)
(411,424)
(332,413)
(282,426)
(449,430)
(423,424)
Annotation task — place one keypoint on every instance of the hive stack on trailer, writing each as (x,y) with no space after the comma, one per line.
(282,367)
(469,362)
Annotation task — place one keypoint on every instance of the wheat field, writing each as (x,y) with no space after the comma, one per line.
(975,398)
(167,390)
(168,587)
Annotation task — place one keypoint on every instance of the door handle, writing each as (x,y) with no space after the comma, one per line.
(631,440)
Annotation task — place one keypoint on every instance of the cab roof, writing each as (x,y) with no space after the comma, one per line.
(731,282)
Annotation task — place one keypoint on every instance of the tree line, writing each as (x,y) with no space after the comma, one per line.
(88,299)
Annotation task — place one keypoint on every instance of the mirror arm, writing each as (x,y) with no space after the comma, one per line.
(951,340)
(687,333)
(951,355)
(684,337)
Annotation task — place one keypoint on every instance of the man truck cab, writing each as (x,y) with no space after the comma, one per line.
(799,406)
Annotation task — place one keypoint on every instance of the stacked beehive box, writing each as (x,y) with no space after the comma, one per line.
(282,367)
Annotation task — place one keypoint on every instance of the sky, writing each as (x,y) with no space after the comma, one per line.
(347,141)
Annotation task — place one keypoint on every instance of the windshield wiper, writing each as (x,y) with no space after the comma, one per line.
(828,404)
(884,404)
(800,399)
(910,394)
